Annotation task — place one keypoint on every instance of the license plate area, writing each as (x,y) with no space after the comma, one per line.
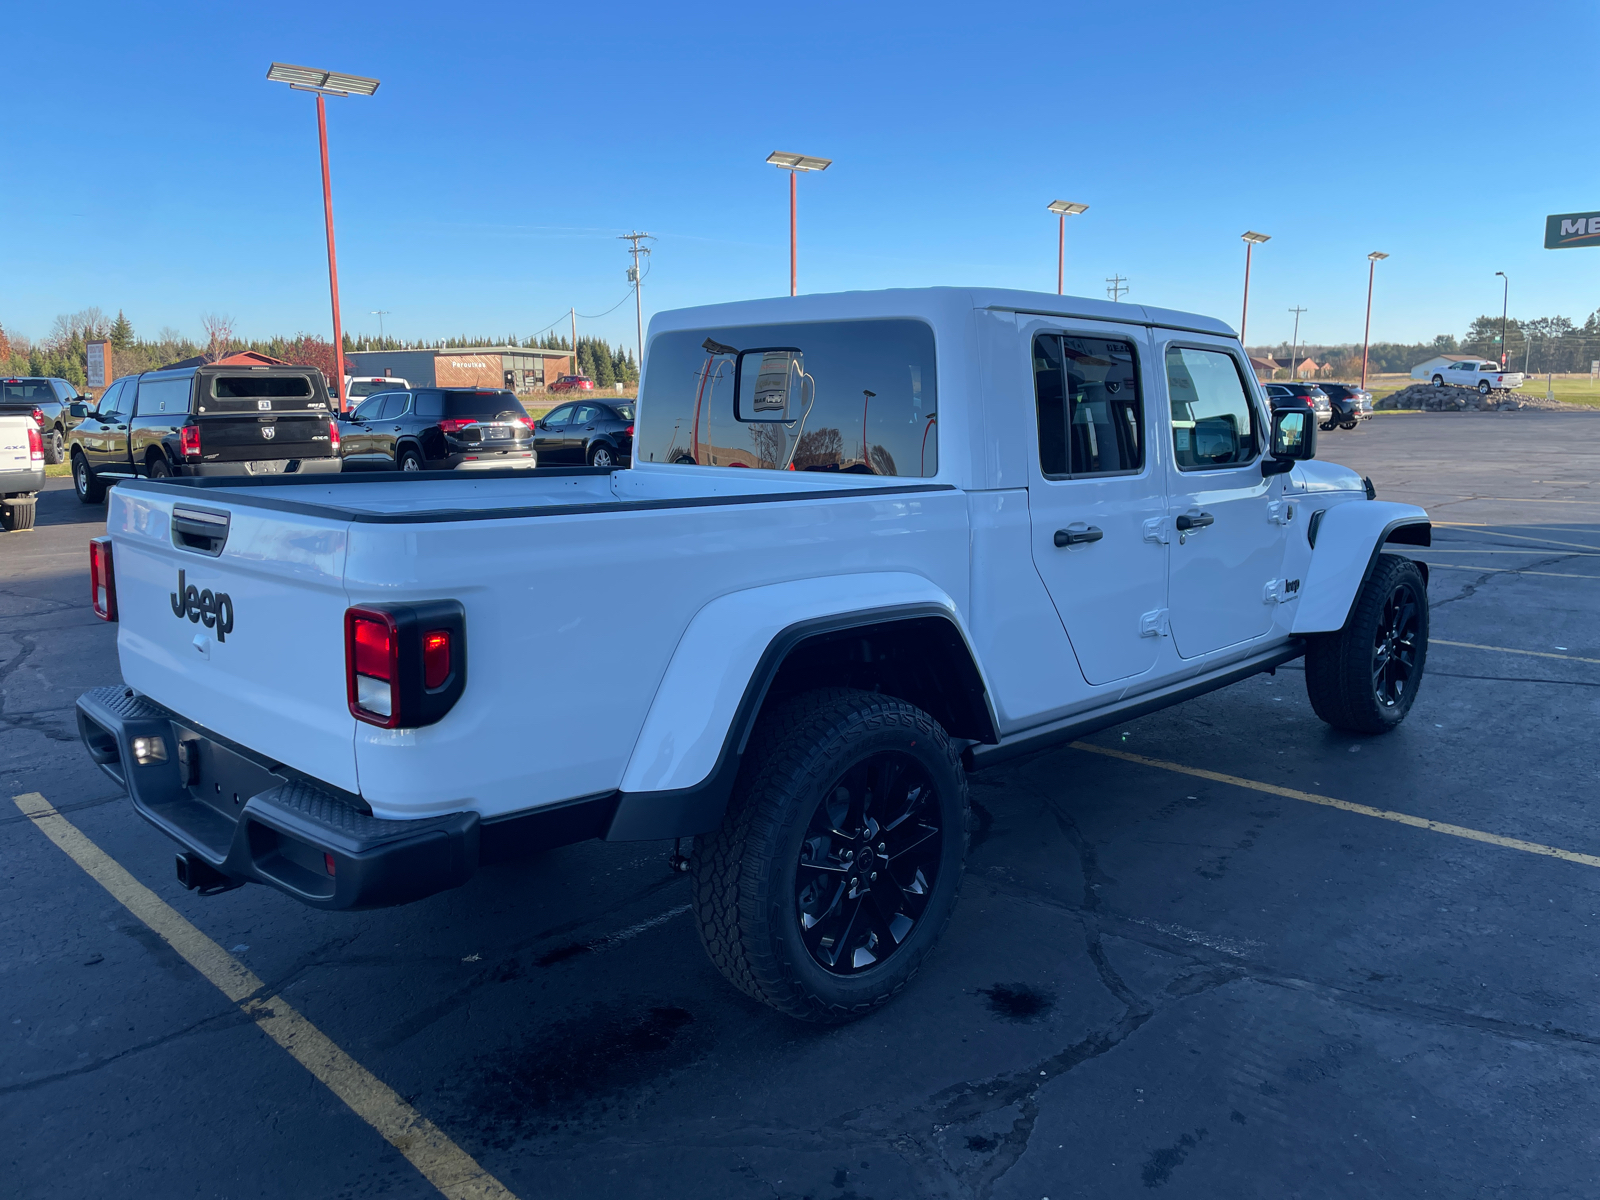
(217,777)
(267,466)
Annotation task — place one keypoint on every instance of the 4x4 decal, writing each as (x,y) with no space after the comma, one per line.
(214,610)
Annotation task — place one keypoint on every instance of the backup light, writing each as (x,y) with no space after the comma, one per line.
(147,750)
(102,580)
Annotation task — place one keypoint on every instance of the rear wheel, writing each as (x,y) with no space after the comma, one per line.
(1351,424)
(410,460)
(158,467)
(54,448)
(836,867)
(90,490)
(1438,381)
(17,513)
(1364,678)
(600,456)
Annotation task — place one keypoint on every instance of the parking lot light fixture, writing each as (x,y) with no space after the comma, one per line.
(1366,337)
(1251,240)
(1064,209)
(794,164)
(325,84)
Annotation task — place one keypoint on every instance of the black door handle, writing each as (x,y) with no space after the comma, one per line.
(1077,535)
(1194,520)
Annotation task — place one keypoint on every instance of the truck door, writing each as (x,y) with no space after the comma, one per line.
(107,448)
(1093,490)
(1225,545)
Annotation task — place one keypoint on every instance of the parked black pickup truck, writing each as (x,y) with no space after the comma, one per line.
(205,421)
(48,400)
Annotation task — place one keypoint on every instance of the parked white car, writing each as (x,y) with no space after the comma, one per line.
(869,543)
(1477,373)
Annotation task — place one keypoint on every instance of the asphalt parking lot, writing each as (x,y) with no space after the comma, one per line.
(1175,968)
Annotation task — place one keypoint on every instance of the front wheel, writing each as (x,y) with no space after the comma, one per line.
(836,866)
(1364,678)
(90,490)
(1438,381)
(1348,425)
(1483,387)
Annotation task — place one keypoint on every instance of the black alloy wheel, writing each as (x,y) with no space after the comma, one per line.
(869,862)
(54,449)
(1394,651)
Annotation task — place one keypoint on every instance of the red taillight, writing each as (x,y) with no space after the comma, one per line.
(456,424)
(35,446)
(38,417)
(526,423)
(372,666)
(630,430)
(333,435)
(189,441)
(435,659)
(102,580)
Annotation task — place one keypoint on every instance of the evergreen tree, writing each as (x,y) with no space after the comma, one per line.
(121,332)
(601,355)
(585,359)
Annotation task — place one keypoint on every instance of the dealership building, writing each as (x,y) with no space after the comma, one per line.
(520,368)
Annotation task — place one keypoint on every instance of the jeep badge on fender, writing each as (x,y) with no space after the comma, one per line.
(212,609)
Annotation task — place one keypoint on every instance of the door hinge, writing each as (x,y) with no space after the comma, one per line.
(1154,624)
(1280,591)
(1156,530)
(1280,512)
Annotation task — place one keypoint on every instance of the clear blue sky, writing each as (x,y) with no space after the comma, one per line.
(151,167)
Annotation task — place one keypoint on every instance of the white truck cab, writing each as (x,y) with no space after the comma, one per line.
(869,543)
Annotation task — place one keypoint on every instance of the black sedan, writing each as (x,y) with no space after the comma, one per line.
(585,431)
(437,429)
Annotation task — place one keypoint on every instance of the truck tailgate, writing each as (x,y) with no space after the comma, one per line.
(14,444)
(242,437)
(265,669)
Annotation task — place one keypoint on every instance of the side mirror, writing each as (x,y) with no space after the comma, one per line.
(1294,438)
(78,409)
(767,384)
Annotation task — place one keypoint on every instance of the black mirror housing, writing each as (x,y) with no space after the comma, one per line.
(1294,436)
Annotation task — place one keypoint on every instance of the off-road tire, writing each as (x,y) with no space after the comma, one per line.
(54,449)
(1339,666)
(743,873)
(17,515)
(90,490)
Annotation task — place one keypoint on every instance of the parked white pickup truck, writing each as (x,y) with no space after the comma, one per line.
(1478,373)
(21,471)
(869,543)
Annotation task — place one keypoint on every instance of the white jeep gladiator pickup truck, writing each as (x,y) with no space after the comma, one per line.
(869,543)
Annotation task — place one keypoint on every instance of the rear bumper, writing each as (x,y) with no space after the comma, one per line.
(254,825)
(21,483)
(301,466)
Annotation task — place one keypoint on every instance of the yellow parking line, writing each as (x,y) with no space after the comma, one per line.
(1383,814)
(444,1164)
(1510,571)
(1433,641)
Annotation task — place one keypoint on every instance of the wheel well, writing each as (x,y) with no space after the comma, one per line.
(922,660)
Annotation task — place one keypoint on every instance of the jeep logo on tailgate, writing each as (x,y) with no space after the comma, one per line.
(212,609)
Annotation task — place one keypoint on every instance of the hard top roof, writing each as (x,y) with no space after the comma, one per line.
(928,303)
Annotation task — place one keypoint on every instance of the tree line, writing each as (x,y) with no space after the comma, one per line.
(63,353)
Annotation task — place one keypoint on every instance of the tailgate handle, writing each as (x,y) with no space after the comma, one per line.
(204,531)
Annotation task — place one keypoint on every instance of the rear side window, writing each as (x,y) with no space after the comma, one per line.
(157,396)
(482,404)
(430,404)
(1091,416)
(1213,421)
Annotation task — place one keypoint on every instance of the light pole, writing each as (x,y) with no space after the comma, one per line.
(794,164)
(1505,307)
(1294,370)
(1366,337)
(324,84)
(1064,209)
(380,313)
(1251,240)
(633,239)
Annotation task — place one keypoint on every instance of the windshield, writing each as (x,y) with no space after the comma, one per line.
(864,399)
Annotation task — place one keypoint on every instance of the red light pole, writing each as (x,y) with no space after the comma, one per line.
(324,84)
(1366,336)
(1063,209)
(1251,240)
(794,164)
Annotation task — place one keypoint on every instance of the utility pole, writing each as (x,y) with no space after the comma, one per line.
(1116,286)
(574,313)
(1505,307)
(1366,337)
(380,313)
(637,280)
(1294,368)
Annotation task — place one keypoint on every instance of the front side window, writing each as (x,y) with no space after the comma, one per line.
(394,405)
(1091,417)
(368,410)
(110,399)
(858,397)
(559,416)
(1213,421)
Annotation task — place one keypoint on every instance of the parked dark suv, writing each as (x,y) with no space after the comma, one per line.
(437,429)
(48,401)
(586,431)
(204,421)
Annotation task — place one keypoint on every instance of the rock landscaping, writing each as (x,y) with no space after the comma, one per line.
(1427,398)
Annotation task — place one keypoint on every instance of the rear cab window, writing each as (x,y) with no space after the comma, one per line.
(244,392)
(856,397)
